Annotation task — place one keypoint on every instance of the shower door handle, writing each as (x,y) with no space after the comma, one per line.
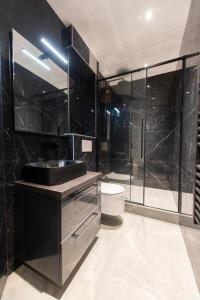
(142,139)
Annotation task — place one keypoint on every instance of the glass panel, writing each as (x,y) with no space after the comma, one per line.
(40,87)
(137,136)
(189,132)
(114,131)
(162,136)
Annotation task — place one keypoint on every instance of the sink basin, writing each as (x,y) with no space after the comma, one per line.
(53,172)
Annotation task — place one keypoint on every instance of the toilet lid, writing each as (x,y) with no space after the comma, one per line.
(111,189)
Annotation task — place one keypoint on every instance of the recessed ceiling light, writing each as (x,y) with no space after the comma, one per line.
(148,15)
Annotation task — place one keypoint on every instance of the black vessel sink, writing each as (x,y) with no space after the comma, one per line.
(53,172)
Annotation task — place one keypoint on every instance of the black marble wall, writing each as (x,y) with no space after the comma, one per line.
(162,137)
(3,256)
(190,110)
(32,19)
(82,92)
(114,125)
(75,150)
(190,44)
(144,139)
(36,110)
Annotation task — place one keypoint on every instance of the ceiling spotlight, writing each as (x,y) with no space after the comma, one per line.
(148,15)
(148,86)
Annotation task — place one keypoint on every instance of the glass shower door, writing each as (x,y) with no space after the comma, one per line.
(114,131)
(162,136)
(137,137)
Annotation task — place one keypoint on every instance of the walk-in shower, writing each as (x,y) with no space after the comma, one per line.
(147,133)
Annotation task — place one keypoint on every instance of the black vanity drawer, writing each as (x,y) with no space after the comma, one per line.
(75,246)
(76,209)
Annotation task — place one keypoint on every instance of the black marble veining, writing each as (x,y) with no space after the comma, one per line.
(143,139)
(32,19)
(190,108)
(3,257)
(38,105)
(114,126)
(75,150)
(162,137)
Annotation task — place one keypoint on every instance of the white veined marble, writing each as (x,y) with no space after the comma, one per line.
(144,259)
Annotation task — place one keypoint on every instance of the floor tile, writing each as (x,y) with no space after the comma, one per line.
(144,259)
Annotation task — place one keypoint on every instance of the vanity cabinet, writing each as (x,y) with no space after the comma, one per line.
(57,224)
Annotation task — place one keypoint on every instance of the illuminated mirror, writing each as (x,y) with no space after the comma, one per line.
(40,86)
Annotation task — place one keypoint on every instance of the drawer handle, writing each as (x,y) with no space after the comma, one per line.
(85,225)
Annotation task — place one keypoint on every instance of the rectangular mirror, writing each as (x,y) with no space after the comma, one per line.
(40,87)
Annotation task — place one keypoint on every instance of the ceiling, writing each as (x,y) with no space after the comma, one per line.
(118,33)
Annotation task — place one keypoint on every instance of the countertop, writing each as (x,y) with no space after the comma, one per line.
(61,190)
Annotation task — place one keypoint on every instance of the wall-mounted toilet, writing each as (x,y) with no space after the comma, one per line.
(112,199)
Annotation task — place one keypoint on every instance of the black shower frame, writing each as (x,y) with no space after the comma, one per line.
(177,59)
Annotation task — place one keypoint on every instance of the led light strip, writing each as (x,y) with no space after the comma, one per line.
(35,59)
(117,110)
(46,43)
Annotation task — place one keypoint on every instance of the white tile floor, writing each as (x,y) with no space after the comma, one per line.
(144,259)
(159,198)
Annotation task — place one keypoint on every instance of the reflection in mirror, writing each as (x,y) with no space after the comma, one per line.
(40,87)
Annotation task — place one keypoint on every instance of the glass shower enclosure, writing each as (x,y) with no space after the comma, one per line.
(143,117)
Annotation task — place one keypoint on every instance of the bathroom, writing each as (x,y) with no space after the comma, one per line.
(107,93)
